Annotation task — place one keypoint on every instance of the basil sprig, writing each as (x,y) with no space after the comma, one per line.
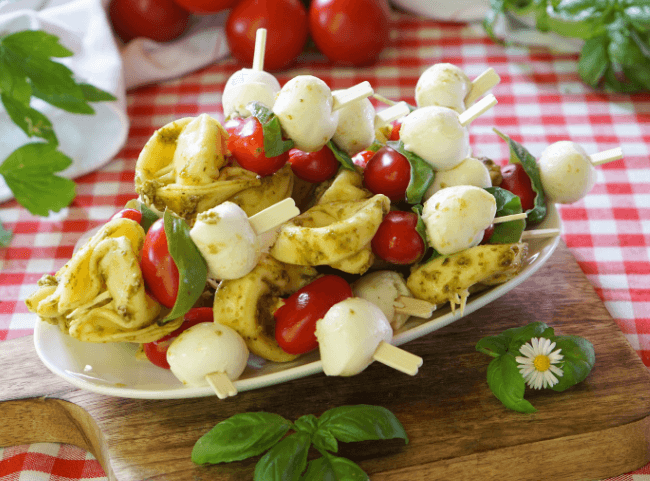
(250,434)
(503,376)
(421,173)
(519,155)
(507,204)
(340,155)
(274,144)
(149,216)
(192,269)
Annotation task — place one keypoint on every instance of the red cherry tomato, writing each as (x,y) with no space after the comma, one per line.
(313,166)
(156,351)
(285,22)
(487,234)
(205,6)
(233,123)
(295,321)
(362,158)
(133,214)
(159,270)
(159,20)
(394,133)
(246,145)
(397,241)
(516,180)
(350,32)
(389,173)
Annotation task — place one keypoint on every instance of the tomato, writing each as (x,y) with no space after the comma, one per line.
(133,214)
(232,124)
(285,22)
(394,133)
(516,180)
(396,240)
(350,32)
(313,166)
(159,20)
(159,270)
(205,6)
(246,145)
(487,234)
(389,173)
(295,321)
(362,158)
(156,351)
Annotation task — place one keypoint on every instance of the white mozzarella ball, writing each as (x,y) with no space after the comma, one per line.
(435,134)
(227,241)
(356,128)
(443,84)
(207,348)
(382,288)
(470,171)
(348,336)
(456,217)
(304,107)
(566,172)
(245,86)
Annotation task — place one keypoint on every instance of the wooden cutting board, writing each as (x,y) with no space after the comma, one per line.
(457,428)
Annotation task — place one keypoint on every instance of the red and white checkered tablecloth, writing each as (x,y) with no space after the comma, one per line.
(541,100)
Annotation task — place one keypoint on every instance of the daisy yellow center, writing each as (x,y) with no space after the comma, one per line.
(541,363)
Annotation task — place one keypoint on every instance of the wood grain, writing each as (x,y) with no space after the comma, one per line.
(457,429)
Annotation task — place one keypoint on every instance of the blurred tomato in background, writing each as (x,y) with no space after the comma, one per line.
(206,6)
(159,20)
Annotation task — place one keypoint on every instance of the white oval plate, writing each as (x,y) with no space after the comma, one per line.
(113,369)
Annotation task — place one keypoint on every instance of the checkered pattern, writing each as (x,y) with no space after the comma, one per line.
(541,100)
(45,462)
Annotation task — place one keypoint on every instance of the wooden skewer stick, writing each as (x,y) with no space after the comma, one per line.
(260,49)
(481,85)
(606,156)
(476,110)
(539,233)
(357,92)
(221,384)
(393,356)
(383,99)
(508,218)
(393,112)
(413,307)
(274,215)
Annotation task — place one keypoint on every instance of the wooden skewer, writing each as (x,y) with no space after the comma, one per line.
(508,218)
(221,384)
(539,233)
(397,358)
(476,110)
(260,49)
(383,99)
(481,85)
(357,92)
(273,216)
(393,112)
(606,156)
(414,307)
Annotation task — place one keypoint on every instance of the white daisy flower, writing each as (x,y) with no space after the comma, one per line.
(538,364)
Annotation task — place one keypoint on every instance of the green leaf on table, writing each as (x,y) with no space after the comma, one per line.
(307,424)
(344,159)
(31,121)
(512,339)
(325,441)
(362,422)
(29,173)
(593,60)
(507,204)
(334,468)
(5,237)
(240,437)
(579,359)
(507,384)
(274,144)
(422,173)
(192,269)
(285,461)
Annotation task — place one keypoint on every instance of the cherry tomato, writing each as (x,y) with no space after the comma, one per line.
(397,241)
(516,180)
(247,147)
(389,173)
(133,214)
(205,6)
(350,32)
(313,166)
(295,321)
(394,133)
(362,158)
(159,270)
(232,124)
(159,20)
(285,22)
(487,234)
(156,351)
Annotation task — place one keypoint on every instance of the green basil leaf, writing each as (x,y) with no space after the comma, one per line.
(422,173)
(239,437)
(577,18)
(362,422)
(421,227)
(507,204)
(324,440)
(494,346)
(94,94)
(307,423)
(192,269)
(579,359)
(638,13)
(35,43)
(13,82)
(71,99)
(334,468)
(593,60)
(375,146)
(29,173)
(31,121)
(5,237)
(285,461)
(520,336)
(519,155)
(274,144)
(342,156)
(148,216)
(507,384)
